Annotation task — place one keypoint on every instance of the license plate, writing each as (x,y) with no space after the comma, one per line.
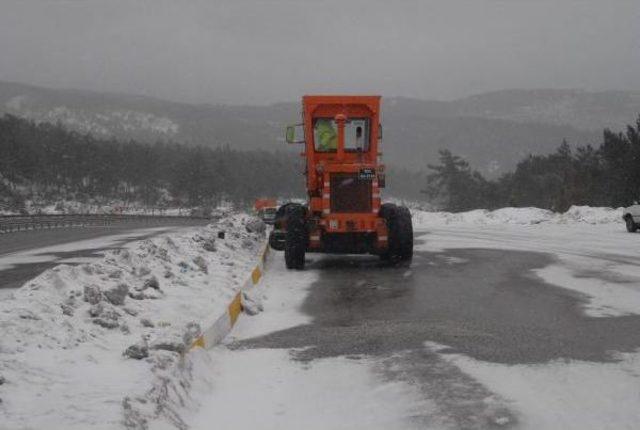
(367,174)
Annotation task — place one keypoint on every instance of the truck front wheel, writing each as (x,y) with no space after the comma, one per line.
(400,233)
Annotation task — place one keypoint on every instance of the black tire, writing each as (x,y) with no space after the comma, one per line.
(632,227)
(387,212)
(275,241)
(400,233)
(281,215)
(296,237)
(405,234)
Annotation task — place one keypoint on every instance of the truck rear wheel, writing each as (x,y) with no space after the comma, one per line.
(632,227)
(400,232)
(296,238)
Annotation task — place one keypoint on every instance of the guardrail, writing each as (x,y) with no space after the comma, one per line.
(12,223)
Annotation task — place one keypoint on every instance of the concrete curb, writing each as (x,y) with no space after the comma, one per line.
(223,325)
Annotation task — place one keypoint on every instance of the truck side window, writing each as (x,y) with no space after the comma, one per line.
(356,135)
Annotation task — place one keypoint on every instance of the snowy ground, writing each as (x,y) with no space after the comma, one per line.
(596,258)
(315,358)
(272,388)
(64,334)
(266,389)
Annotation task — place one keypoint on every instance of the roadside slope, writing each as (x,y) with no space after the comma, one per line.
(88,340)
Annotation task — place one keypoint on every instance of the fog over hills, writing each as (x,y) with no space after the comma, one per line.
(492,130)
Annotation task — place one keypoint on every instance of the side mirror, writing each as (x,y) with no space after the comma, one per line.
(379,131)
(294,134)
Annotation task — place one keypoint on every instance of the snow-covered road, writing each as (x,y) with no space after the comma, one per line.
(517,318)
(532,326)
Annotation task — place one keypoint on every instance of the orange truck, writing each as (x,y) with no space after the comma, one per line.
(344,213)
(266,209)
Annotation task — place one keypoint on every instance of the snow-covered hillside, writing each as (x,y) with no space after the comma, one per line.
(105,122)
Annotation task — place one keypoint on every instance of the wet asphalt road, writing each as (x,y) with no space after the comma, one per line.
(484,303)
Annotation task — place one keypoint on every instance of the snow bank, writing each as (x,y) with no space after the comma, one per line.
(82,344)
(519,216)
(592,215)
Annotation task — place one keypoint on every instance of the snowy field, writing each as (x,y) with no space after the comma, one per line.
(85,345)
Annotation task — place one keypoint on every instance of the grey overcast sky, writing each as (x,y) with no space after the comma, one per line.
(261,51)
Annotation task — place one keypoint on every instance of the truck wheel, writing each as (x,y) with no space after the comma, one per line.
(405,234)
(296,238)
(387,213)
(400,236)
(275,241)
(632,227)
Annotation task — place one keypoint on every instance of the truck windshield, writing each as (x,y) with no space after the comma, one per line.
(356,135)
(325,135)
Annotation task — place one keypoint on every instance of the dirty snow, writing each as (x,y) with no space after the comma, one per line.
(65,332)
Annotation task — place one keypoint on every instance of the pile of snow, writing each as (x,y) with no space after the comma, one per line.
(98,345)
(519,216)
(592,215)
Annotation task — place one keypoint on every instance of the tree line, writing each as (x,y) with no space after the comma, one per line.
(607,175)
(56,163)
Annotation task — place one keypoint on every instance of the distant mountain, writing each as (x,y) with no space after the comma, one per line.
(580,109)
(492,131)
